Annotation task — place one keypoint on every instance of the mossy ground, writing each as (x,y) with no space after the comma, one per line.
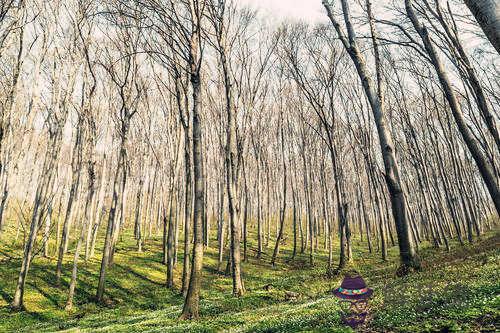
(456,291)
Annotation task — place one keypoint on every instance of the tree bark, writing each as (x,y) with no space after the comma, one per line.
(192,301)
(487,14)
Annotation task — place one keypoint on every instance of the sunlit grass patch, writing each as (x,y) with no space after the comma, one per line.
(455,291)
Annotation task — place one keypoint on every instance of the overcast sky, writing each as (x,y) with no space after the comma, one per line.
(308,10)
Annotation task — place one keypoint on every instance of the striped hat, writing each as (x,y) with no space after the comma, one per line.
(353,287)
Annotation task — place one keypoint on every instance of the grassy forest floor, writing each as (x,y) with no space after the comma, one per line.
(456,291)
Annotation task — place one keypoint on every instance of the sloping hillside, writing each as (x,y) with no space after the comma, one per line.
(456,290)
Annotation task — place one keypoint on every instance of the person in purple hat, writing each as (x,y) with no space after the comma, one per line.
(354,295)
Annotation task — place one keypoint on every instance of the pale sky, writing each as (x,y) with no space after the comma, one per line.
(307,10)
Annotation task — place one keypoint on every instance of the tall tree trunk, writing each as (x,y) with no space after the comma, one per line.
(408,256)
(188,202)
(6,110)
(259,213)
(294,212)
(41,194)
(85,224)
(343,230)
(283,204)
(191,304)
(192,300)
(471,77)
(137,220)
(97,214)
(232,162)
(76,165)
(118,188)
(170,244)
(221,229)
(473,146)
(487,14)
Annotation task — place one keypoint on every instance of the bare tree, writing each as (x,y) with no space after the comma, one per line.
(122,69)
(409,258)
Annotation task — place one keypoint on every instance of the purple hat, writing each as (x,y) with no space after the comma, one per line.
(353,287)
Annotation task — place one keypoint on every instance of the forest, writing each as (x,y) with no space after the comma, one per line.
(207,166)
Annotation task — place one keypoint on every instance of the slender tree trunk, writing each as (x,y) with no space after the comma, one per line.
(192,300)
(259,213)
(118,189)
(76,163)
(187,211)
(41,193)
(473,146)
(294,212)
(6,110)
(74,272)
(487,14)
(232,166)
(221,231)
(283,204)
(138,218)
(170,244)
(46,234)
(343,230)
(408,256)
(98,213)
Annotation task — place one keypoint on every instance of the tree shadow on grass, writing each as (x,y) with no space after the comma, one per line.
(48,276)
(6,296)
(8,256)
(138,275)
(215,271)
(54,300)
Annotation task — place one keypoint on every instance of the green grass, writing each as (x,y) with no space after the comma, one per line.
(456,291)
